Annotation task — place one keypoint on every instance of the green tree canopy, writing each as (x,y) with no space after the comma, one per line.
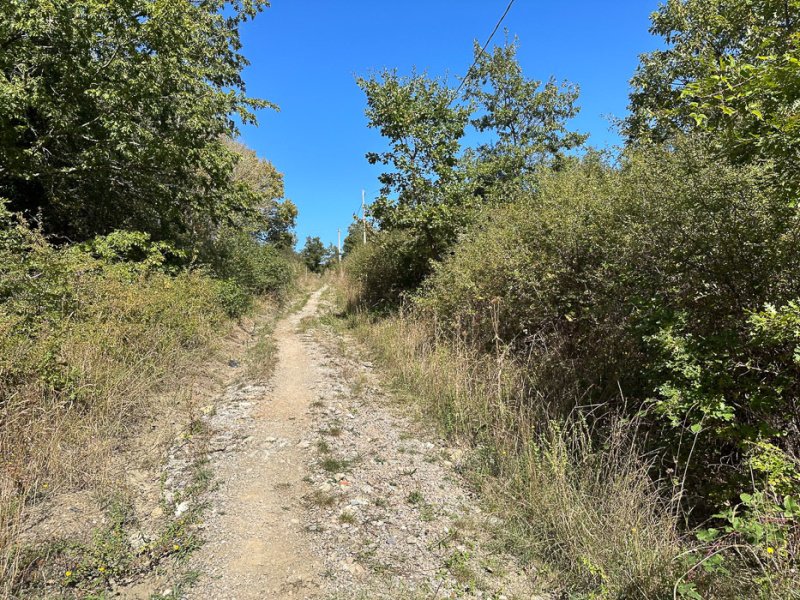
(271,217)
(314,254)
(423,129)
(731,69)
(112,114)
(355,235)
(527,120)
(433,188)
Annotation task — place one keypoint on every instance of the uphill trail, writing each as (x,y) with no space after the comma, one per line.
(326,490)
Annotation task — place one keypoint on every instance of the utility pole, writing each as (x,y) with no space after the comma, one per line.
(364,217)
(339,252)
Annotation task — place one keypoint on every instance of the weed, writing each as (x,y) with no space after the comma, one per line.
(321,499)
(427,513)
(332,431)
(347,518)
(335,465)
(415,497)
(458,564)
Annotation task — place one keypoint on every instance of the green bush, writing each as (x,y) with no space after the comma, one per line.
(666,287)
(257,268)
(391,265)
(87,335)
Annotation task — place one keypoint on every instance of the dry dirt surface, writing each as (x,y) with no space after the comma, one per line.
(325,490)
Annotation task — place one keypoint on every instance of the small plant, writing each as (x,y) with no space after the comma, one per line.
(347,518)
(458,564)
(322,499)
(415,497)
(332,431)
(335,465)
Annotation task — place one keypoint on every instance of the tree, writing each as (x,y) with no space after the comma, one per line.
(731,69)
(355,235)
(423,128)
(314,254)
(112,114)
(271,217)
(528,121)
(433,190)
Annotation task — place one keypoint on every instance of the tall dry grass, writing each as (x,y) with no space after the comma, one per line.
(76,386)
(579,500)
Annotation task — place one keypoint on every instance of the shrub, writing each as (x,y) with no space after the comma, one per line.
(240,258)
(665,289)
(390,266)
(87,335)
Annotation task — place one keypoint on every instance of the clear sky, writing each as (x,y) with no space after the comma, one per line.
(306,54)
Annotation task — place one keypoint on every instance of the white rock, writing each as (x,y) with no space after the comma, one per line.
(181,508)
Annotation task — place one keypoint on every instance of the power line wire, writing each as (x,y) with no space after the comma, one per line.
(483,50)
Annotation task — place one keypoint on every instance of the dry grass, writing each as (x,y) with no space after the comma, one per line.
(578,503)
(82,391)
(587,505)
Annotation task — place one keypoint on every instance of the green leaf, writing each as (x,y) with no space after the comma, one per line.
(708,535)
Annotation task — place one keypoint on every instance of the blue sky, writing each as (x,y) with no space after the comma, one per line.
(306,54)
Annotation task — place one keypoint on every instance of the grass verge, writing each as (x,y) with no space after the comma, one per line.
(579,504)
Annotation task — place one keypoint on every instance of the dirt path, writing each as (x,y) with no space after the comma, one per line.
(256,547)
(328,491)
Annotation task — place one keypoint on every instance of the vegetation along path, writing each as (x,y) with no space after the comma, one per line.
(327,492)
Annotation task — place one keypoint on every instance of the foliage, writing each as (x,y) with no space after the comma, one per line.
(239,256)
(587,277)
(434,190)
(112,115)
(386,268)
(314,254)
(416,116)
(528,121)
(660,288)
(355,235)
(88,333)
(576,504)
(273,219)
(73,325)
(730,68)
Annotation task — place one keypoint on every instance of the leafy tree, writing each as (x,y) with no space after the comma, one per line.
(730,68)
(112,114)
(528,121)
(433,190)
(355,235)
(332,256)
(271,218)
(314,254)
(423,128)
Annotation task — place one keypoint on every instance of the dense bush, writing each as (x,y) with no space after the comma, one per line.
(242,261)
(667,286)
(391,264)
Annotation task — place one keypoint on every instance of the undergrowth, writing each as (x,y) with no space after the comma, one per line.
(91,338)
(577,493)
